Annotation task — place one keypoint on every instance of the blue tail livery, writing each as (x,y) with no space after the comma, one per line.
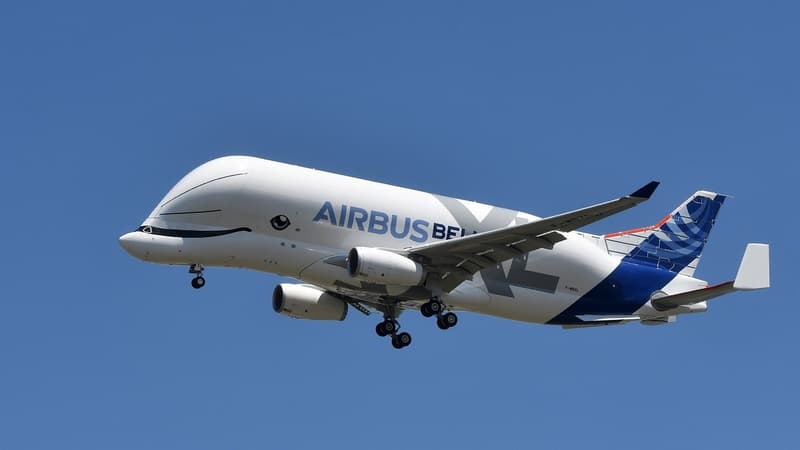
(676,242)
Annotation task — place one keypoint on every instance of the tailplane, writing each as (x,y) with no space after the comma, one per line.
(753,274)
(676,242)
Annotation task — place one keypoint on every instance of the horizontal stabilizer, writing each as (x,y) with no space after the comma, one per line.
(753,274)
(692,297)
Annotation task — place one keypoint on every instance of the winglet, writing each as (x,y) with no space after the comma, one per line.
(646,191)
(754,269)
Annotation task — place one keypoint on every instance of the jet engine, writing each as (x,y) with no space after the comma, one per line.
(383,267)
(303,301)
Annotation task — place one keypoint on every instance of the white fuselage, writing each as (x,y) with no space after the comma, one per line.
(292,221)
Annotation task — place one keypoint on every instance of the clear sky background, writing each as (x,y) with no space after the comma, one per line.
(537,106)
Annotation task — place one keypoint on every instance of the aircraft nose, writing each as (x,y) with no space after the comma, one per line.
(132,244)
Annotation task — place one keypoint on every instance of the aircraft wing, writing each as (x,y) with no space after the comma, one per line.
(456,260)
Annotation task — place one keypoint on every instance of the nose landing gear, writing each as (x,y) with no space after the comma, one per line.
(198,281)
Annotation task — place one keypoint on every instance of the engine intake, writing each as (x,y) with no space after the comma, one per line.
(303,301)
(383,267)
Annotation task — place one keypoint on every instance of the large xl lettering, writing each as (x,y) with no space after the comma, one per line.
(498,283)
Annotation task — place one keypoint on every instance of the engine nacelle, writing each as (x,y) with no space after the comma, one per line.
(383,267)
(303,301)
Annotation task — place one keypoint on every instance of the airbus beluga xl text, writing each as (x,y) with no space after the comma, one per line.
(376,247)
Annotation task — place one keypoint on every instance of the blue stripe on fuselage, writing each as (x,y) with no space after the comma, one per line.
(622,292)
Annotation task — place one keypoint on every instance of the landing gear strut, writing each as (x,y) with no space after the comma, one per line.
(198,281)
(389,327)
(435,307)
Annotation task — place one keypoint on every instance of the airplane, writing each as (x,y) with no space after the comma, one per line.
(385,249)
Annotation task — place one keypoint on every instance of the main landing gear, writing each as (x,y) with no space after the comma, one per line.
(389,327)
(435,307)
(198,281)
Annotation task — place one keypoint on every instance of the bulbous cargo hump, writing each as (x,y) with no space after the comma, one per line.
(206,188)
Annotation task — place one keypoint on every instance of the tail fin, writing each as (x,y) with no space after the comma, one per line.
(676,242)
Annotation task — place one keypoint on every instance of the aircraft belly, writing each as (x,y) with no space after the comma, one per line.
(529,306)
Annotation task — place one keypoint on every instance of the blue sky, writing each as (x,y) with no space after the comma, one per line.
(533,106)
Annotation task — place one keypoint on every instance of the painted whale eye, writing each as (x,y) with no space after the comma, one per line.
(280,222)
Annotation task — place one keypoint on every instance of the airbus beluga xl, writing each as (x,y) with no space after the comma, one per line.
(380,248)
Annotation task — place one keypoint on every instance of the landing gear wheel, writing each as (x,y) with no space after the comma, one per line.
(387,327)
(404,339)
(401,340)
(446,321)
(450,320)
(198,282)
(390,326)
(425,309)
(431,308)
(396,343)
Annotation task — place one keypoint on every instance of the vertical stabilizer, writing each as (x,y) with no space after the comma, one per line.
(676,242)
